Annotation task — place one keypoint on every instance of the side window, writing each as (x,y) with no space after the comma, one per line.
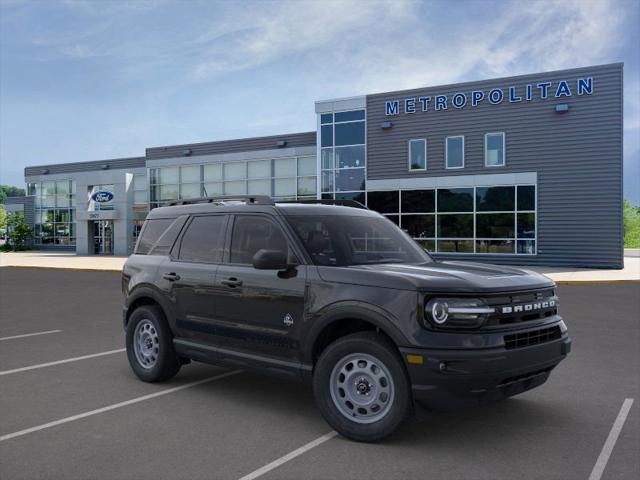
(163,245)
(151,232)
(203,241)
(252,233)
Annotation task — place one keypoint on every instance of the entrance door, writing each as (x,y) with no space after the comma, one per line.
(103,237)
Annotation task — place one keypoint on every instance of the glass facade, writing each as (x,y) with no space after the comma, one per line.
(54,212)
(482,220)
(343,155)
(281,178)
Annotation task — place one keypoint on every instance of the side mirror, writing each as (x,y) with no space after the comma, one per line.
(271,260)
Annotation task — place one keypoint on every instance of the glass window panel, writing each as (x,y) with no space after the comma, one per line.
(526,197)
(350,179)
(252,233)
(326,133)
(49,201)
(394,218)
(526,247)
(62,187)
(49,188)
(455,246)
(357,196)
(495,246)
(154,176)
(455,226)
(349,133)
(140,196)
(455,152)
(307,166)
(213,172)
(384,202)
(259,187)
(327,181)
(213,189)
(73,187)
(62,216)
(349,116)
(190,190)
(494,149)
(495,199)
(418,154)
(326,118)
(284,186)
(235,171)
(259,169)
(204,239)
(306,185)
(526,225)
(327,158)
(235,188)
(168,175)
(455,200)
(190,174)
(350,157)
(428,245)
(495,225)
(63,201)
(423,226)
(327,196)
(284,167)
(139,182)
(169,192)
(418,201)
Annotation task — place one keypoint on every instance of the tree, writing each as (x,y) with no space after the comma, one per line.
(17,230)
(9,191)
(3,218)
(631,225)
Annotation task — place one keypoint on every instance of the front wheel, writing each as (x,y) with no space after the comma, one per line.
(361,387)
(150,345)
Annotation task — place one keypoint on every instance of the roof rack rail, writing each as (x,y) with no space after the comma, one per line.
(248,199)
(326,201)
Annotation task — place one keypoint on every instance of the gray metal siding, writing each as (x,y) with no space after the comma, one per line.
(97,165)
(577,156)
(231,146)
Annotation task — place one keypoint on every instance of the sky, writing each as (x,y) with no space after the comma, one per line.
(88,80)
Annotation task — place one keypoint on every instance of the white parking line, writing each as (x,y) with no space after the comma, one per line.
(603,458)
(115,405)
(29,335)
(289,456)
(59,362)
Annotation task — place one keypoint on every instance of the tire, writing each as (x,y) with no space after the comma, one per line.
(361,387)
(152,357)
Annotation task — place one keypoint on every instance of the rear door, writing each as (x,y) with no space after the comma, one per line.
(259,311)
(189,275)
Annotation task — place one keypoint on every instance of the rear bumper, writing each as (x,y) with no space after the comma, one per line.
(451,379)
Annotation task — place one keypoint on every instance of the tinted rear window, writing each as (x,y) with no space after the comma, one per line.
(158,235)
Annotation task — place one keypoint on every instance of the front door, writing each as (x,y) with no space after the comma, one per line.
(259,311)
(103,237)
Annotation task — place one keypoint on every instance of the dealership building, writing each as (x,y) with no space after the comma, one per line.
(518,170)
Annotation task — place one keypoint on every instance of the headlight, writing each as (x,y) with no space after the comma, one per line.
(457,312)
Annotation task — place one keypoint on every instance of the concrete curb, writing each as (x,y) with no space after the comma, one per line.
(79,269)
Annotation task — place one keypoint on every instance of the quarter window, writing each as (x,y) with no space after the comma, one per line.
(203,241)
(151,232)
(494,150)
(418,154)
(455,152)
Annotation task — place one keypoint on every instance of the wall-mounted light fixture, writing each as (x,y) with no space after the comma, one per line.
(562,108)
(282,143)
(44,171)
(386,125)
(105,166)
(186,152)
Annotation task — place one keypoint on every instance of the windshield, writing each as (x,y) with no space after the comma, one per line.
(341,240)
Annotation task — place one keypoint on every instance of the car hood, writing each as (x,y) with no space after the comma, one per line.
(450,277)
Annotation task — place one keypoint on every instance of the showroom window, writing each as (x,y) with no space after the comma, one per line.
(54,222)
(454,152)
(418,154)
(343,155)
(481,220)
(494,150)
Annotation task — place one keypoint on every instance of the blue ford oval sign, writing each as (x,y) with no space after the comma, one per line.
(102,197)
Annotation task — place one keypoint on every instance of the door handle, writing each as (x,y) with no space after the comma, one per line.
(172,276)
(232,282)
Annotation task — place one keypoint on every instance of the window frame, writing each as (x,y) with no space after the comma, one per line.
(426,163)
(446,150)
(504,149)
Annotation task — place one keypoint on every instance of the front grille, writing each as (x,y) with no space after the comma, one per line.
(534,337)
(498,318)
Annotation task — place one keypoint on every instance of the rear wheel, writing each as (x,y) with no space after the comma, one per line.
(361,387)
(150,345)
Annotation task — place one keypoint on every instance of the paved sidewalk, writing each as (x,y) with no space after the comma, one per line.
(69,260)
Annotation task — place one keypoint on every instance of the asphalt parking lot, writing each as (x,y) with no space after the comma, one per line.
(91,418)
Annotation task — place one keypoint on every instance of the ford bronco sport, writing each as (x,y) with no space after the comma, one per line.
(339,297)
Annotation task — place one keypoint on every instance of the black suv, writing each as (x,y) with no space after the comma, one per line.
(339,297)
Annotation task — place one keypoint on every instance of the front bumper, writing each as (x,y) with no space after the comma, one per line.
(450,379)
